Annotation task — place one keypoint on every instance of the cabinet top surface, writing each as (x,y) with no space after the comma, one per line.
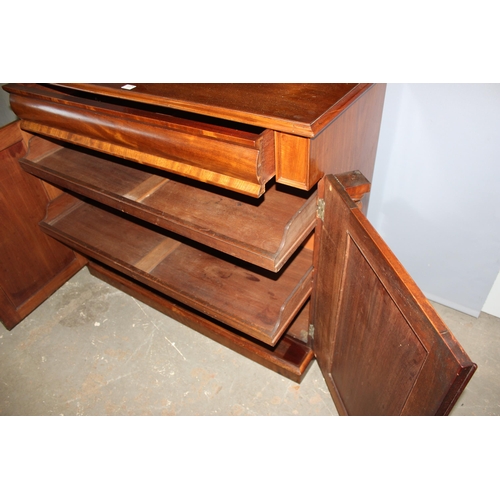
(298,108)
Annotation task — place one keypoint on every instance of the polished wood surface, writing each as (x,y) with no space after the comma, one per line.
(240,160)
(347,143)
(290,131)
(32,265)
(264,232)
(297,108)
(382,348)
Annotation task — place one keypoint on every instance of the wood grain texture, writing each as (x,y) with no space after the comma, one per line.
(350,142)
(264,232)
(381,346)
(297,108)
(32,265)
(347,143)
(307,130)
(293,166)
(235,159)
(258,303)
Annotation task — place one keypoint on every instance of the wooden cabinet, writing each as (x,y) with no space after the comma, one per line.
(237,210)
(32,265)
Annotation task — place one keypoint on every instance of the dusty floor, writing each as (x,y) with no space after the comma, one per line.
(92,350)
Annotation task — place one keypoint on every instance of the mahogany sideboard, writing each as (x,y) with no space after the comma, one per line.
(236,209)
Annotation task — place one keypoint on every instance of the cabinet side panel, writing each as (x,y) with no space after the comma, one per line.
(350,142)
(30,261)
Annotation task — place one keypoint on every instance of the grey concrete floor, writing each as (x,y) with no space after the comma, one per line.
(92,350)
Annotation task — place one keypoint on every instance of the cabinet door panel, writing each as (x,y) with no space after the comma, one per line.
(32,265)
(381,346)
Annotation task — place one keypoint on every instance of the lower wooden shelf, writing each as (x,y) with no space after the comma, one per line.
(290,357)
(259,303)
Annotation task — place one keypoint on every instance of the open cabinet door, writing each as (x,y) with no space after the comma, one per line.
(32,265)
(382,348)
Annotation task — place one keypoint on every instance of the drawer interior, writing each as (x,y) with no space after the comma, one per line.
(259,303)
(264,232)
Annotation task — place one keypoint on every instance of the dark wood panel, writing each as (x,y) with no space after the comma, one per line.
(290,357)
(259,303)
(387,354)
(381,346)
(264,232)
(32,265)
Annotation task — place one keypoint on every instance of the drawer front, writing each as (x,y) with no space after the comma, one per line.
(239,160)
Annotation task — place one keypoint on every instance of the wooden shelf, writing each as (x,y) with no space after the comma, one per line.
(256,302)
(264,232)
(290,357)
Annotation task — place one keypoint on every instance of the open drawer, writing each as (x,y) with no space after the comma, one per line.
(264,231)
(223,153)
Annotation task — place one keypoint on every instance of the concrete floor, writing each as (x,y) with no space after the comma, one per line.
(92,350)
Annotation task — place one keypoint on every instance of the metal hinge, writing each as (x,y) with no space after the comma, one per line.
(311,331)
(320,210)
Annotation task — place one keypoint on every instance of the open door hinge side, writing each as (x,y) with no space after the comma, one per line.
(311,331)
(320,210)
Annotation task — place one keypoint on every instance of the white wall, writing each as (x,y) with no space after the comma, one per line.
(436,189)
(492,304)
(6,114)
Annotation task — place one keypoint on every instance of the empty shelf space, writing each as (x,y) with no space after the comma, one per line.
(291,356)
(259,303)
(264,232)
